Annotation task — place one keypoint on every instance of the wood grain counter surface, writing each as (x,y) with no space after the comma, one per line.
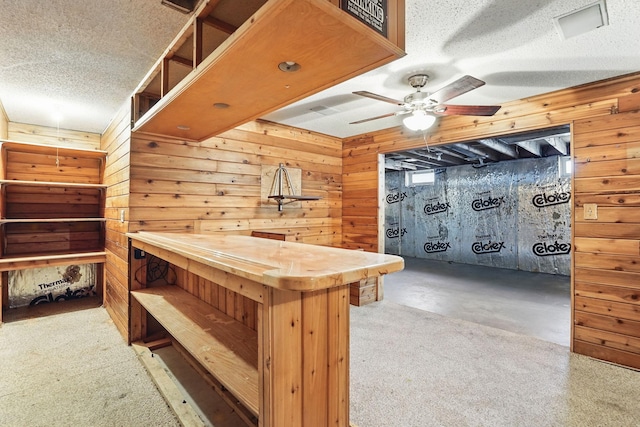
(279,264)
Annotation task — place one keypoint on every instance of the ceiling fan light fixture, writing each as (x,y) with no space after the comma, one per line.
(419,120)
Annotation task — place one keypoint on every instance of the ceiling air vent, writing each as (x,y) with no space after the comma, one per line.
(582,20)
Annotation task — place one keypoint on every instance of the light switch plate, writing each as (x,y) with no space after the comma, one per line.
(590,211)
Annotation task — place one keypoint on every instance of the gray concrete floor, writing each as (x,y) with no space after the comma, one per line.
(533,304)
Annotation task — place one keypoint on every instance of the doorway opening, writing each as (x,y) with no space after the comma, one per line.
(485,230)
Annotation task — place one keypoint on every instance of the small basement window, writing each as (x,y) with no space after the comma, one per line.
(565,165)
(421,177)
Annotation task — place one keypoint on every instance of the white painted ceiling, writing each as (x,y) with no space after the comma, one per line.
(83,59)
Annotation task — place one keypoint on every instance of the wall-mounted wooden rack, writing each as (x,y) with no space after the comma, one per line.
(282,180)
(182,95)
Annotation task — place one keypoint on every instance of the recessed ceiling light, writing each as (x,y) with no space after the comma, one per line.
(221,105)
(289,66)
(183,127)
(582,20)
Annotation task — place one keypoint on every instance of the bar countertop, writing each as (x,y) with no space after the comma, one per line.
(279,264)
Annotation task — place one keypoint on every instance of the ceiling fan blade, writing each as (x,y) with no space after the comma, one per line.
(466,110)
(399,113)
(462,85)
(379,97)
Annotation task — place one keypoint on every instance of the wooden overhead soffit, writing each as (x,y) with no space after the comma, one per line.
(243,72)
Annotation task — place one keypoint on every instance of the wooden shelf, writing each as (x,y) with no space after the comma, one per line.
(48,260)
(6,182)
(225,347)
(34,232)
(27,147)
(330,46)
(48,220)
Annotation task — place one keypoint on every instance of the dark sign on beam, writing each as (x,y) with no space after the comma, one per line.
(371,12)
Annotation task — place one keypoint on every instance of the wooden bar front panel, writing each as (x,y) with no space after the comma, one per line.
(303,337)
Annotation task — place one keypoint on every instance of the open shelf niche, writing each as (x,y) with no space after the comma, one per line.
(51,209)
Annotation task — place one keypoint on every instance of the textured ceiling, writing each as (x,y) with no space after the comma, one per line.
(510,44)
(83,59)
(79,59)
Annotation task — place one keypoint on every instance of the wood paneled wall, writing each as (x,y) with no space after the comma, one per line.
(235,305)
(214,185)
(116,141)
(580,104)
(607,249)
(168,184)
(53,136)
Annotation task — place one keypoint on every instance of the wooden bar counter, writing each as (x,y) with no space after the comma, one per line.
(267,319)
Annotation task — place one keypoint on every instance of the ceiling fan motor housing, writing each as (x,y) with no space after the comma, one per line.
(418,81)
(417,98)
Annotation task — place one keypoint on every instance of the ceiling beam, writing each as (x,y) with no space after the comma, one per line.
(559,144)
(431,160)
(449,152)
(422,164)
(531,146)
(399,165)
(475,152)
(438,156)
(500,147)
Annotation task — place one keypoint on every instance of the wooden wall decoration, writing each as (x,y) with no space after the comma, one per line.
(268,184)
(605,136)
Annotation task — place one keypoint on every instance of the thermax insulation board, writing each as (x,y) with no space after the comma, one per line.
(514,214)
(51,284)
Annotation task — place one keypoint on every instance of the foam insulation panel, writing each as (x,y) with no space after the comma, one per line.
(52,284)
(512,214)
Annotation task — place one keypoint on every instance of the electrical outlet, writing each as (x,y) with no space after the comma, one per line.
(590,211)
(121,215)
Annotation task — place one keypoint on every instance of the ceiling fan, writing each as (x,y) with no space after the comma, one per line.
(424,106)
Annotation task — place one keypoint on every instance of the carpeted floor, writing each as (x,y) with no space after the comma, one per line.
(408,368)
(74,369)
(414,368)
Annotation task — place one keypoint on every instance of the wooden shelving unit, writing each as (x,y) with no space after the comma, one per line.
(225,63)
(51,207)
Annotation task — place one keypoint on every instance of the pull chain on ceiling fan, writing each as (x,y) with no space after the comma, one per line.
(424,107)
